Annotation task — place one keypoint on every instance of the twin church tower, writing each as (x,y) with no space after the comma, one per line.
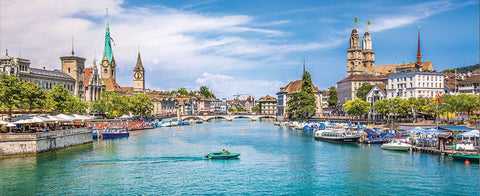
(359,59)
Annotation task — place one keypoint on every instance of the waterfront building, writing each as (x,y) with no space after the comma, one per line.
(93,84)
(204,106)
(348,87)
(267,105)
(164,106)
(325,95)
(470,85)
(284,95)
(45,79)
(416,84)
(218,106)
(377,93)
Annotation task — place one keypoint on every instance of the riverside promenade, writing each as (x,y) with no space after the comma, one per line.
(33,143)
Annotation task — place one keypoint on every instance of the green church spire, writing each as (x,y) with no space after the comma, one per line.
(107,51)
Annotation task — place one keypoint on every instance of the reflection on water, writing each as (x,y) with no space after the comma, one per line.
(273,161)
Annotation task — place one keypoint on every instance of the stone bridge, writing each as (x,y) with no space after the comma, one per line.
(228,117)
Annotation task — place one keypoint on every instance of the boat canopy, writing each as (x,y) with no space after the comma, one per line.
(371,132)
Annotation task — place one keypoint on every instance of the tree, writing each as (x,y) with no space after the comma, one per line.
(10,92)
(182,91)
(256,108)
(363,90)
(77,106)
(206,92)
(59,98)
(301,105)
(141,105)
(332,99)
(112,104)
(33,97)
(467,103)
(356,107)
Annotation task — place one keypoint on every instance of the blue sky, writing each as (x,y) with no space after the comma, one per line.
(239,47)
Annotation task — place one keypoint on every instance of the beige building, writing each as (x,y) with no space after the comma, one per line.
(284,95)
(267,105)
(348,87)
(93,84)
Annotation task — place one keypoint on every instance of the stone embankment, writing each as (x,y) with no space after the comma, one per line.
(33,143)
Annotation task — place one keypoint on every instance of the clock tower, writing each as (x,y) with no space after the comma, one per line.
(139,77)
(108,61)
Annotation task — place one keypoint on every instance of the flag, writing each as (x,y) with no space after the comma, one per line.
(369,23)
(439,100)
(411,109)
(355,19)
(113,41)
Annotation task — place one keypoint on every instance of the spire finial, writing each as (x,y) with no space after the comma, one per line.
(419,54)
(303,65)
(73,53)
(6,52)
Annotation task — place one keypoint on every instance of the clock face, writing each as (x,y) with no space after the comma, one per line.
(105,63)
(137,75)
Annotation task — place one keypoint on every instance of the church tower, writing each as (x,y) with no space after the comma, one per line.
(368,53)
(75,67)
(139,77)
(354,55)
(108,61)
(419,54)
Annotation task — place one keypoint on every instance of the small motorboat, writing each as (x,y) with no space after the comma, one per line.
(397,144)
(222,155)
(464,157)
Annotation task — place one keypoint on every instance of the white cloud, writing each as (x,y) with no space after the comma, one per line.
(228,85)
(413,14)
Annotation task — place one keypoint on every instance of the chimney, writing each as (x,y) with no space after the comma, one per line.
(43,67)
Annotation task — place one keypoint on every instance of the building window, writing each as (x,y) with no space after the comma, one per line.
(69,70)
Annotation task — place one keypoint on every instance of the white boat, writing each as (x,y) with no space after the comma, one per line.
(397,144)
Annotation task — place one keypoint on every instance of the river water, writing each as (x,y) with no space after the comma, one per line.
(273,161)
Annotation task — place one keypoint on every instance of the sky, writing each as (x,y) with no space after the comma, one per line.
(238,47)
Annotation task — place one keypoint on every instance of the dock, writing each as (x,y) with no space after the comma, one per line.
(436,150)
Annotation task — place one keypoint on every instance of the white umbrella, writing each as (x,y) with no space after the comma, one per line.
(471,133)
(28,119)
(2,122)
(64,117)
(11,125)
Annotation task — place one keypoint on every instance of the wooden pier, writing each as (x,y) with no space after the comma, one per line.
(436,150)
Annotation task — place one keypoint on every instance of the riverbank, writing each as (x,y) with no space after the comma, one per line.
(33,143)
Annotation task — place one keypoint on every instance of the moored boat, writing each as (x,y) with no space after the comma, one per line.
(114,132)
(397,144)
(222,155)
(337,136)
(464,157)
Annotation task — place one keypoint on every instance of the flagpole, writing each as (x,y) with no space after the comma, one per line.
(437,113)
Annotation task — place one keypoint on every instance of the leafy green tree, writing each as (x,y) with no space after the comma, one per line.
(332,99)
(112,104)
(363,91)
(206,92)
(301,105)
(468,103)
(232,109)
(256,108)
(33,97)
(59,98)
(382,106)
(182,91)
(10,92)
(141,105)
(356,107)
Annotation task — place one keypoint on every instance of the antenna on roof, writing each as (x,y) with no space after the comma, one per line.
(303,65)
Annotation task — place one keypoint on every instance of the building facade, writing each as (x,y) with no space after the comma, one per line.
(348,87)
(139,76)
(45,79)
(415,84)
(284,95)
(267,105)
(359,59)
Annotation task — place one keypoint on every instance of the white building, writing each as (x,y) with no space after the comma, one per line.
(416,84)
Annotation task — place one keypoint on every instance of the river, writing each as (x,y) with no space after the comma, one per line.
(170,161)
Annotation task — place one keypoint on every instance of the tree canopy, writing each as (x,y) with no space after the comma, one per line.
(356,107)
(332,99)
(363,90)
(301,105)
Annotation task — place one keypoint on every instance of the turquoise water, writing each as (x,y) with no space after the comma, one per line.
(275,161)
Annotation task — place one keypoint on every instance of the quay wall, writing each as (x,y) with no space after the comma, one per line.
(32,143)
